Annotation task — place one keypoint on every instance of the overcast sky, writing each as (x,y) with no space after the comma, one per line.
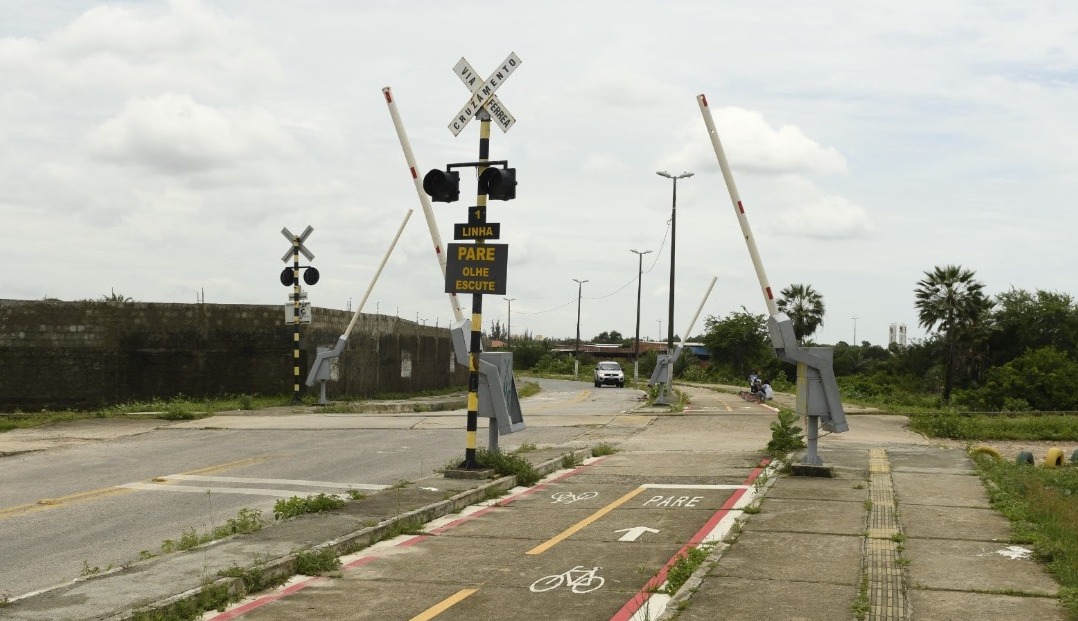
(158,148)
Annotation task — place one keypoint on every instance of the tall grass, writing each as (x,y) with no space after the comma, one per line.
(997,426)
(1042,504)
(176,408)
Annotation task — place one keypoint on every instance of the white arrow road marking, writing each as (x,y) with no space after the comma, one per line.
(632,534)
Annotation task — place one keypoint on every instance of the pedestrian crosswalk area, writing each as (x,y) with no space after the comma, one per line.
(284,488)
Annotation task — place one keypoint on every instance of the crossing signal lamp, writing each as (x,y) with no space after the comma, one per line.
(499,184)
(310,276)
(443,186)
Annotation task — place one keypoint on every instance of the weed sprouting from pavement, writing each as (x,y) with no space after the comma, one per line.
(286,508)
(685,565)
(317,562)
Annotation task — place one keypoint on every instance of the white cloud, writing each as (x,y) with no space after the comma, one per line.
(822,217)
(603,164)
(175,134)
(753,145)
(143,48)
(621,88)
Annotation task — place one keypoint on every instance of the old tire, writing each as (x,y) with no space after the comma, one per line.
(1054,458)
(1025,457)
(986,450)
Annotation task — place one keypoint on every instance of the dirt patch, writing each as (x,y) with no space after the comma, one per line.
(1010,449)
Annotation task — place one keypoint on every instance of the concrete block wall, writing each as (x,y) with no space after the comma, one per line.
(89,354)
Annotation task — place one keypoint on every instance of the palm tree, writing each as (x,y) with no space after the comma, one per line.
(115,298)
(951,297)
(804,306)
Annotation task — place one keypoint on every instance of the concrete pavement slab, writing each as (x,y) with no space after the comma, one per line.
(795,557)
(944,522)
(952,490)
(815,488)
(975,566)
(744,599)
(938,460)
(809,516)
(929,605)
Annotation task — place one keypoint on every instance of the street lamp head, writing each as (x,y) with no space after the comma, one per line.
(663,173)
(639,251)
(685,174)
(580,282)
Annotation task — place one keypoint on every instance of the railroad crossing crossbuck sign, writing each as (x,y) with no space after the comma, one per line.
(302,238)
(483,97)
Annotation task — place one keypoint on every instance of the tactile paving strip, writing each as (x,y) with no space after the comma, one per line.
(886,580)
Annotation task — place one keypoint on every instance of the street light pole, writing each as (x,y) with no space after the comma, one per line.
(636,342)
(579,288)
(509,322)
(855,331)
(673,246)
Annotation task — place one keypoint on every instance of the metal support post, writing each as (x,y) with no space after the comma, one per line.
(295,319)
(470,460)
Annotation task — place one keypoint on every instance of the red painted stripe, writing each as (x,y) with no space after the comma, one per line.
(389,97)
(769,295)
(740,207)
(266,599)
(414,540)
(703,98)
(415,175)
(360,562)
(641,597)
(438,250)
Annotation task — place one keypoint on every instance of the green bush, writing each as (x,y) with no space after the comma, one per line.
(286,508)
(507,464)
(696,373)
(786,436)
(1040,379)
(555,364)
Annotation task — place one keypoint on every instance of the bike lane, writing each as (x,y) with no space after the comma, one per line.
(594,542)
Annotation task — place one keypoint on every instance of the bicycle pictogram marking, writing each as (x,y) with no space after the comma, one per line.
(580,580)
(568,498)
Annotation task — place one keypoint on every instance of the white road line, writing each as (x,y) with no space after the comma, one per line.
(300,482)
(256,491)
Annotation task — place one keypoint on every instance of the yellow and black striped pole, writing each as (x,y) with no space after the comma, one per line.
(480,216)
(295,319)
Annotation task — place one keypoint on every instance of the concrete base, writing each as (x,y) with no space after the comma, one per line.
(462,473)
(807,470)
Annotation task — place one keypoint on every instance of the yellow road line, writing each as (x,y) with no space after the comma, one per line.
(443,606)
(230,465)
(52,503)
(550,543)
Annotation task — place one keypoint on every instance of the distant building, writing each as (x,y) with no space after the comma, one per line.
(896,334)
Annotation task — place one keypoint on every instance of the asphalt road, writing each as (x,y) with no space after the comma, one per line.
(68,510)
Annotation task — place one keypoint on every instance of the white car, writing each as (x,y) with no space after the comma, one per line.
(608,372)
